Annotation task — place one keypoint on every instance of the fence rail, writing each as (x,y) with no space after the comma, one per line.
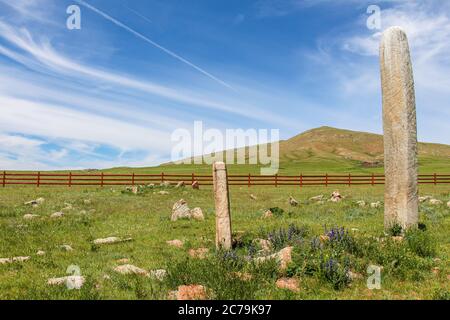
(70,179)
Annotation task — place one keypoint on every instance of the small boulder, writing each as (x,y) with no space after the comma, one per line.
(40,253)
(293,202)
(268,214)
(284,257)
(190,292)
(291,284)
(361,203)
(66,247)
(336,197)
(159,274)
(134,190)
(197,214)
(127,269)
(424,198)
(57,215)
(317,198)
(375,205)
(111,240)
(180,210)
(436,202)
(253,197)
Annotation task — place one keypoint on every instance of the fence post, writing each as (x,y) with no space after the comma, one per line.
(102,181)
(70,179)
(4,179)
(162,177)
(38,181)
(349,179)
(301,180)
(326,180)
(276,180)
(435,179)
(373,179)
(249,180)
(132,180)
(193,178)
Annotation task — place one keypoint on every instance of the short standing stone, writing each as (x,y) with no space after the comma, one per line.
(222,205)
(400,130)
(180,210)
(195,185)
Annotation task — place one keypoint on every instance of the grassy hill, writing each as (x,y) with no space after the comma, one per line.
(327,149)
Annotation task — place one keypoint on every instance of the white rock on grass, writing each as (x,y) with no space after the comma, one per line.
(293,202)
(197,214)
(424,198)
(36,202)
(30,216)
(361,203)
(283,257)
(57,215)
(111,240)
(40,253)
(14,260)
(127,269)
(317,198)
(72,282)
(436,202)
(66,247)
(159,274)
(375,204)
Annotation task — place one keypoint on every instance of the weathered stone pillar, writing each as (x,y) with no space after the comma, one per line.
(222,200)
(400,132)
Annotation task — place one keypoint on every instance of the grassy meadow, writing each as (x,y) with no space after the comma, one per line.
(417,268)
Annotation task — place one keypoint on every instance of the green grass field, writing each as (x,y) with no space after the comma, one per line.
(407,266)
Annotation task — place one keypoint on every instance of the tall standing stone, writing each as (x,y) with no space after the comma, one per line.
(400,131)
(222,200)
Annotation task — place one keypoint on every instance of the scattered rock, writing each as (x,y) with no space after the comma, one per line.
(191,292)
(163,193)
(127,269)
(40,253)
(435,202)
(268,214)
(361,203)
(87,201)
(375,205)
(159,274)
(293,202)
(180,210)
(199,253)
(317,198)
(72,282)
(35,203)
(66,247)
(180,184)
(336,197)
(291,284)
(134,190)
(253,197)
(111,240)
(197,214)
(14,260)
(175,243)
(284,257)
(196,185)
(424,198)
(30,216)
(57,215)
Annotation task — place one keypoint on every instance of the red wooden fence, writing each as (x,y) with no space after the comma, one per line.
(102,179)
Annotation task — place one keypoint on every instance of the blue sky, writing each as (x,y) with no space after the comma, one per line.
(112,93)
